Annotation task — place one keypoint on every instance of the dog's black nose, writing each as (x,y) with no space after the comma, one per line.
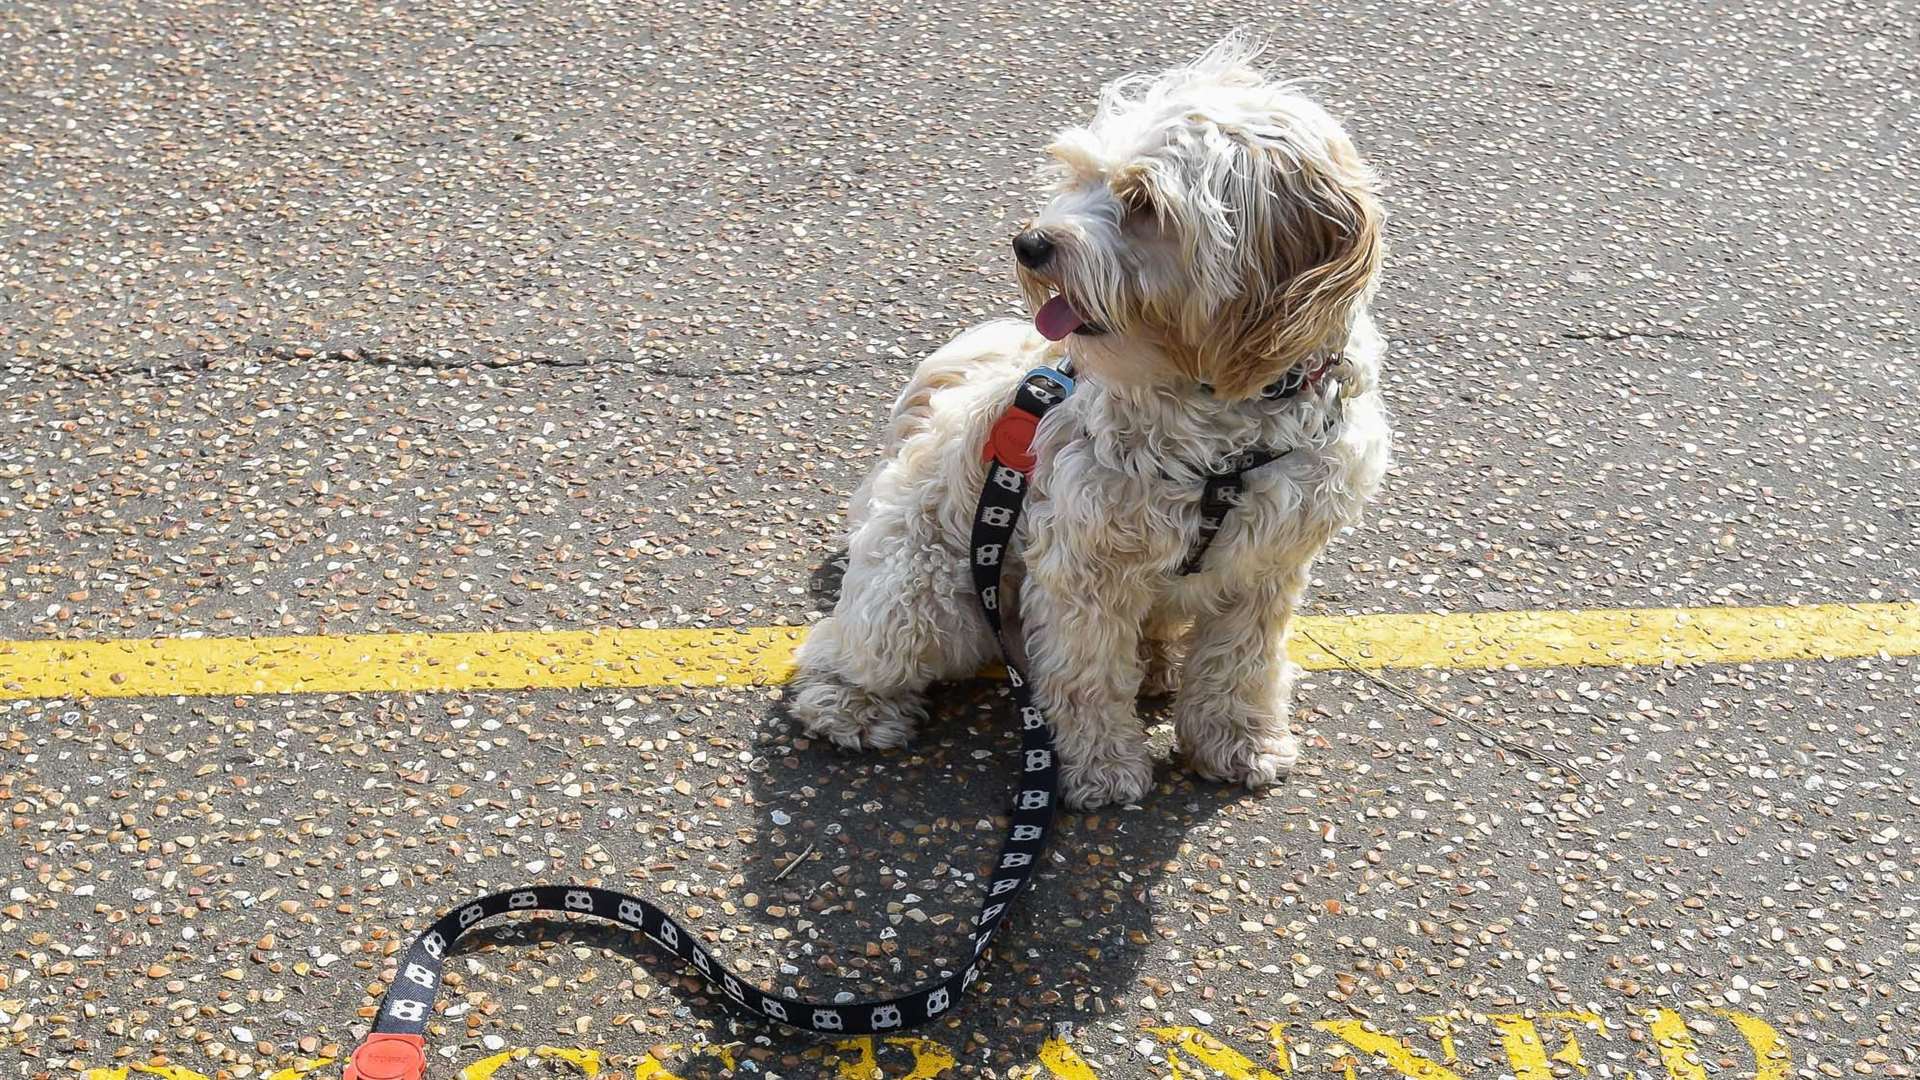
(1033,248)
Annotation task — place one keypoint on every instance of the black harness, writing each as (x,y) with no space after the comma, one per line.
(1224,489)
(395,1049)
(1222,493)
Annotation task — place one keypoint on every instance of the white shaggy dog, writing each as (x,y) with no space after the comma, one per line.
(1211,233)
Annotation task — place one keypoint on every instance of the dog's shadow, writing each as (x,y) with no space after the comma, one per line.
(876,863)
(823,584)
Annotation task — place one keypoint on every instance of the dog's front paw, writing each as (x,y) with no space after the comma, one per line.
(1255,761)
(832,708)
(1106,781)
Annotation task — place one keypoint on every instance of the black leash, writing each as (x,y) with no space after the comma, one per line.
(396,1047)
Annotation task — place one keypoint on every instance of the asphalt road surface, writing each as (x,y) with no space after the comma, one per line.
(338,318)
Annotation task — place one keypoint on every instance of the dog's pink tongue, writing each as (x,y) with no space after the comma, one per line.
(1056,319)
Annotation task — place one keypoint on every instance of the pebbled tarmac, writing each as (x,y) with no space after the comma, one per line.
(340,318)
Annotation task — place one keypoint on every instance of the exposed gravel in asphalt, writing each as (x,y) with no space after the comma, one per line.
(1649,295)
(329,318)
(1746,841)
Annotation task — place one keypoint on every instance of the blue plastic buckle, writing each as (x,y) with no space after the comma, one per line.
(1055,376)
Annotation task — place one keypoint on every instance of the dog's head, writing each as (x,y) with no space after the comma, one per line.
(1209,224)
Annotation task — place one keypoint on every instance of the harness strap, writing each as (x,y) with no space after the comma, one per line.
(1223,492)
(1225,489)
(395,1048)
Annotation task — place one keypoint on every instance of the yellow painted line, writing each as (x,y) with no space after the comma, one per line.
(1614,638)
(758,656)
(363,663)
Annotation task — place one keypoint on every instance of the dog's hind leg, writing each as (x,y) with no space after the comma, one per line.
(904,620)
(1230,717)
(907,615)
(835,696)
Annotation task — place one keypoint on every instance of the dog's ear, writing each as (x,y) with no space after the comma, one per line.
(1311,233)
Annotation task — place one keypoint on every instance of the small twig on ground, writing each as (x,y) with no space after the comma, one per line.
(1448,714)
(788,869)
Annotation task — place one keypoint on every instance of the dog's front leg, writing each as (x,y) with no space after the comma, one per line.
(1231,713)
(1083,644)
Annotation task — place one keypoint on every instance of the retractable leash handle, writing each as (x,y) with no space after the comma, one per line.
(396,1047)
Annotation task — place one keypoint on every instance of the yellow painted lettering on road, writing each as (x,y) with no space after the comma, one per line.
(1208,1051)
(930,1059)
(863,1066)
(1675,1043)
(1535,1042)
(487,1066)
(1277,1042)
(1062,1062)
(651,1068)
(301,1068)
(1440,1028)
(1681,1054)
(1398,1056)
(1526,1047)
(587,1061)
(1771,1058)
(169,1072)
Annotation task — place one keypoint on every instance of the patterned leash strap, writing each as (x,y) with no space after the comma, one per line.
(396,1047)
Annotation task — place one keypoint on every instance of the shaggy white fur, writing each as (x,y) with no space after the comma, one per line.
(1210,230)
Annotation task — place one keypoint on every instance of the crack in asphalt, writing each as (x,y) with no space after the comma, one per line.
(354,354)
(1625,335)
(192,363)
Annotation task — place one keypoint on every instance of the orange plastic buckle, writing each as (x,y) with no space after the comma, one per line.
(388,1057)
(1011,440)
